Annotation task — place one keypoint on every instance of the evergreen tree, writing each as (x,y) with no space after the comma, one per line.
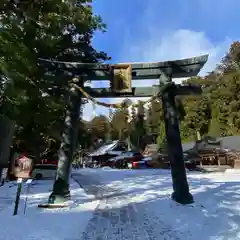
(56,30)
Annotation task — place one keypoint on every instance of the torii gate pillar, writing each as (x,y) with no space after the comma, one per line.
(170,90)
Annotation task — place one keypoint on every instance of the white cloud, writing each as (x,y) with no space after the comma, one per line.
(179,44)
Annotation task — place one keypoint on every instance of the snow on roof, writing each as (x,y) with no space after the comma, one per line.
(231,142)
(147,159)
(121,155)
(115,152)
(104,149)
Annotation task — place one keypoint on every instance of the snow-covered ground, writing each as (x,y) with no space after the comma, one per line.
(215,215)
(49,224)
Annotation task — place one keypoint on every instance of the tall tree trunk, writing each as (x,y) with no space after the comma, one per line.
(61,190)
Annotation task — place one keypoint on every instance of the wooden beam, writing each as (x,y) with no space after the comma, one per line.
(136,92)
(140,71)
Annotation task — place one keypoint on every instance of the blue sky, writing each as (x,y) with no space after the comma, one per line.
(157,30)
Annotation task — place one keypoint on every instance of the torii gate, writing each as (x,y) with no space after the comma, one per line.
(165,72)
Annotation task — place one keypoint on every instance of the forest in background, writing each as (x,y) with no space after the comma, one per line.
(34,97)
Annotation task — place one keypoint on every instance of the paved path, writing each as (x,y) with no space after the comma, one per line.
(117,218)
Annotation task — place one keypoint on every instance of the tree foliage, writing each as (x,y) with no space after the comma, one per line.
(99,126)
(33,30)
(63,30)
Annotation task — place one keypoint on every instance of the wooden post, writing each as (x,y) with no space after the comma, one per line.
(218,160)
(181,192)
(19,189)
(201,161)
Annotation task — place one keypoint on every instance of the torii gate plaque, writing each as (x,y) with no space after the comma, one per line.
(164,71)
